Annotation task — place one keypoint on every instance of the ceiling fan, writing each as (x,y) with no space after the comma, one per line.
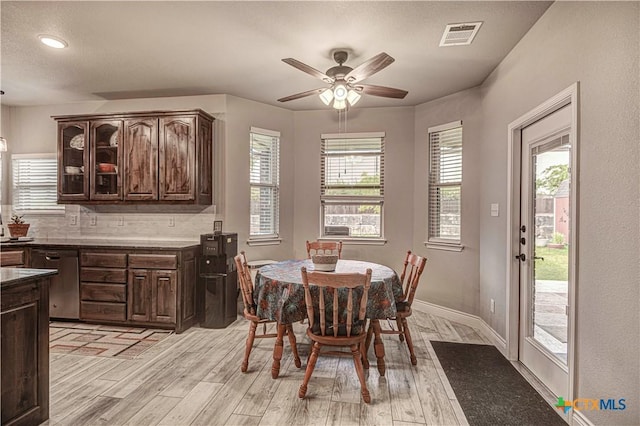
(344,80)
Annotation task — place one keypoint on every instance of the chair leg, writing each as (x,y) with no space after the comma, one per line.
(367,343)
(294,347)
(357,356)
(310,367)
(407,334)
(248,346)
(378,346)
(401,335)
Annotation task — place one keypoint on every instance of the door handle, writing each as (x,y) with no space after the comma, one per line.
(521,257)
(538,258)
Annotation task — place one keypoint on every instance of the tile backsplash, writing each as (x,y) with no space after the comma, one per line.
(159,222)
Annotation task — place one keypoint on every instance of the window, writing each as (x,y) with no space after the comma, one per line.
(264,171)
(34,182)
(445,183)
(352,185)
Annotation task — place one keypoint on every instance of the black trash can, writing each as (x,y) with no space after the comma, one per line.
(220,300)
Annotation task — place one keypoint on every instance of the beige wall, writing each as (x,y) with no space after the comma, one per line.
(451,278)
(597,44)
(397,123)
(241,115)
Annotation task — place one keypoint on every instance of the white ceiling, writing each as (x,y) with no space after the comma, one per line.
(121,50)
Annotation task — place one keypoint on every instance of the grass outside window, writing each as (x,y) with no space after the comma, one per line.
(555,265)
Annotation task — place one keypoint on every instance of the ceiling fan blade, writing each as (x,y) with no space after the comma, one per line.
(309,70)
(369,67)
(302,95)
(386,92)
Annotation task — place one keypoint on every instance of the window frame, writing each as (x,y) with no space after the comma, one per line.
(433,182)
(273,238)
(328,200)
(56,209)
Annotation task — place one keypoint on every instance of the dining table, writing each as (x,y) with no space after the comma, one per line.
(279,297)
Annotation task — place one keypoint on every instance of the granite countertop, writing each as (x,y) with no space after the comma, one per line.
(141,244)
(14,276)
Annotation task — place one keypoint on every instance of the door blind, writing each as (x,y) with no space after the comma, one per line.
(445,182)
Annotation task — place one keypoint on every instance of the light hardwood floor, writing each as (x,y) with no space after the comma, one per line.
(194,379)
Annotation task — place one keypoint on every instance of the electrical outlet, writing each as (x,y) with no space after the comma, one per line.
(492,306)
(93,220)
(172,221)
(73,220)
(120,221)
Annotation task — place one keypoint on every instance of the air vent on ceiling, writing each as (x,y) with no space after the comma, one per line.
(459,34)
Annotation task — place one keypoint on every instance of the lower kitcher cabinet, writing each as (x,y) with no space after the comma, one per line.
(152,295)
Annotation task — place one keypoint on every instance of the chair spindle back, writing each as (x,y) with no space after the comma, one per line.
(330,283)
(246,284)
(411,272)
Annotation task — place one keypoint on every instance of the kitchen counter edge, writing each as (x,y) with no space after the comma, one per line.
(15,276)
(117,244)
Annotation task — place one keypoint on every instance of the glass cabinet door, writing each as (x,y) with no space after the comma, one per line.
(106,138)
(73,182)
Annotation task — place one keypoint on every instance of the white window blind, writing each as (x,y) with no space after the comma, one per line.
(264,177)
(34,182)
(352,185)
(445,182)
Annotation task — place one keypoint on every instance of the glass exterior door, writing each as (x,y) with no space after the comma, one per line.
(545,232)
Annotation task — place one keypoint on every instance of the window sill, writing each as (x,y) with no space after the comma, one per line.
(356,241)
(444,246)
(264,242)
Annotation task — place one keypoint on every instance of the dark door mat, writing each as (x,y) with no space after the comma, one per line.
(490,390)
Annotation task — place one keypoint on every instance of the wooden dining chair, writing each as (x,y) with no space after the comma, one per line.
(411,272)
(324,247)
(335,318)
(246,287)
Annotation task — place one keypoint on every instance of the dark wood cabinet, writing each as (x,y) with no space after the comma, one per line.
(141,159)
(153,295)
(156,156)
(24,339)
(14,258)
(103,285)
(153,291)
(145,287)
(105,179)
(73,161)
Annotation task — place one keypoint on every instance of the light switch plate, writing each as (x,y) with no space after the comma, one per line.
(495,209)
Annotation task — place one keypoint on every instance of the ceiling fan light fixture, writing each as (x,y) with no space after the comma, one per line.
(353,97)
(326,97)
(340,92)
(338,104)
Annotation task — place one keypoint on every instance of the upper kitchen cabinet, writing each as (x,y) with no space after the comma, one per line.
(142,157)
(105,178)
(73,161)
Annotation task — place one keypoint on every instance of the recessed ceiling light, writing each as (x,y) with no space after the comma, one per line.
(53,41)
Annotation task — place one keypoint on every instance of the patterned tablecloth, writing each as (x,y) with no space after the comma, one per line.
(279,294)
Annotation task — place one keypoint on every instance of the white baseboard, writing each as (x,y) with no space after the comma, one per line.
(578,419)
(463,318)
